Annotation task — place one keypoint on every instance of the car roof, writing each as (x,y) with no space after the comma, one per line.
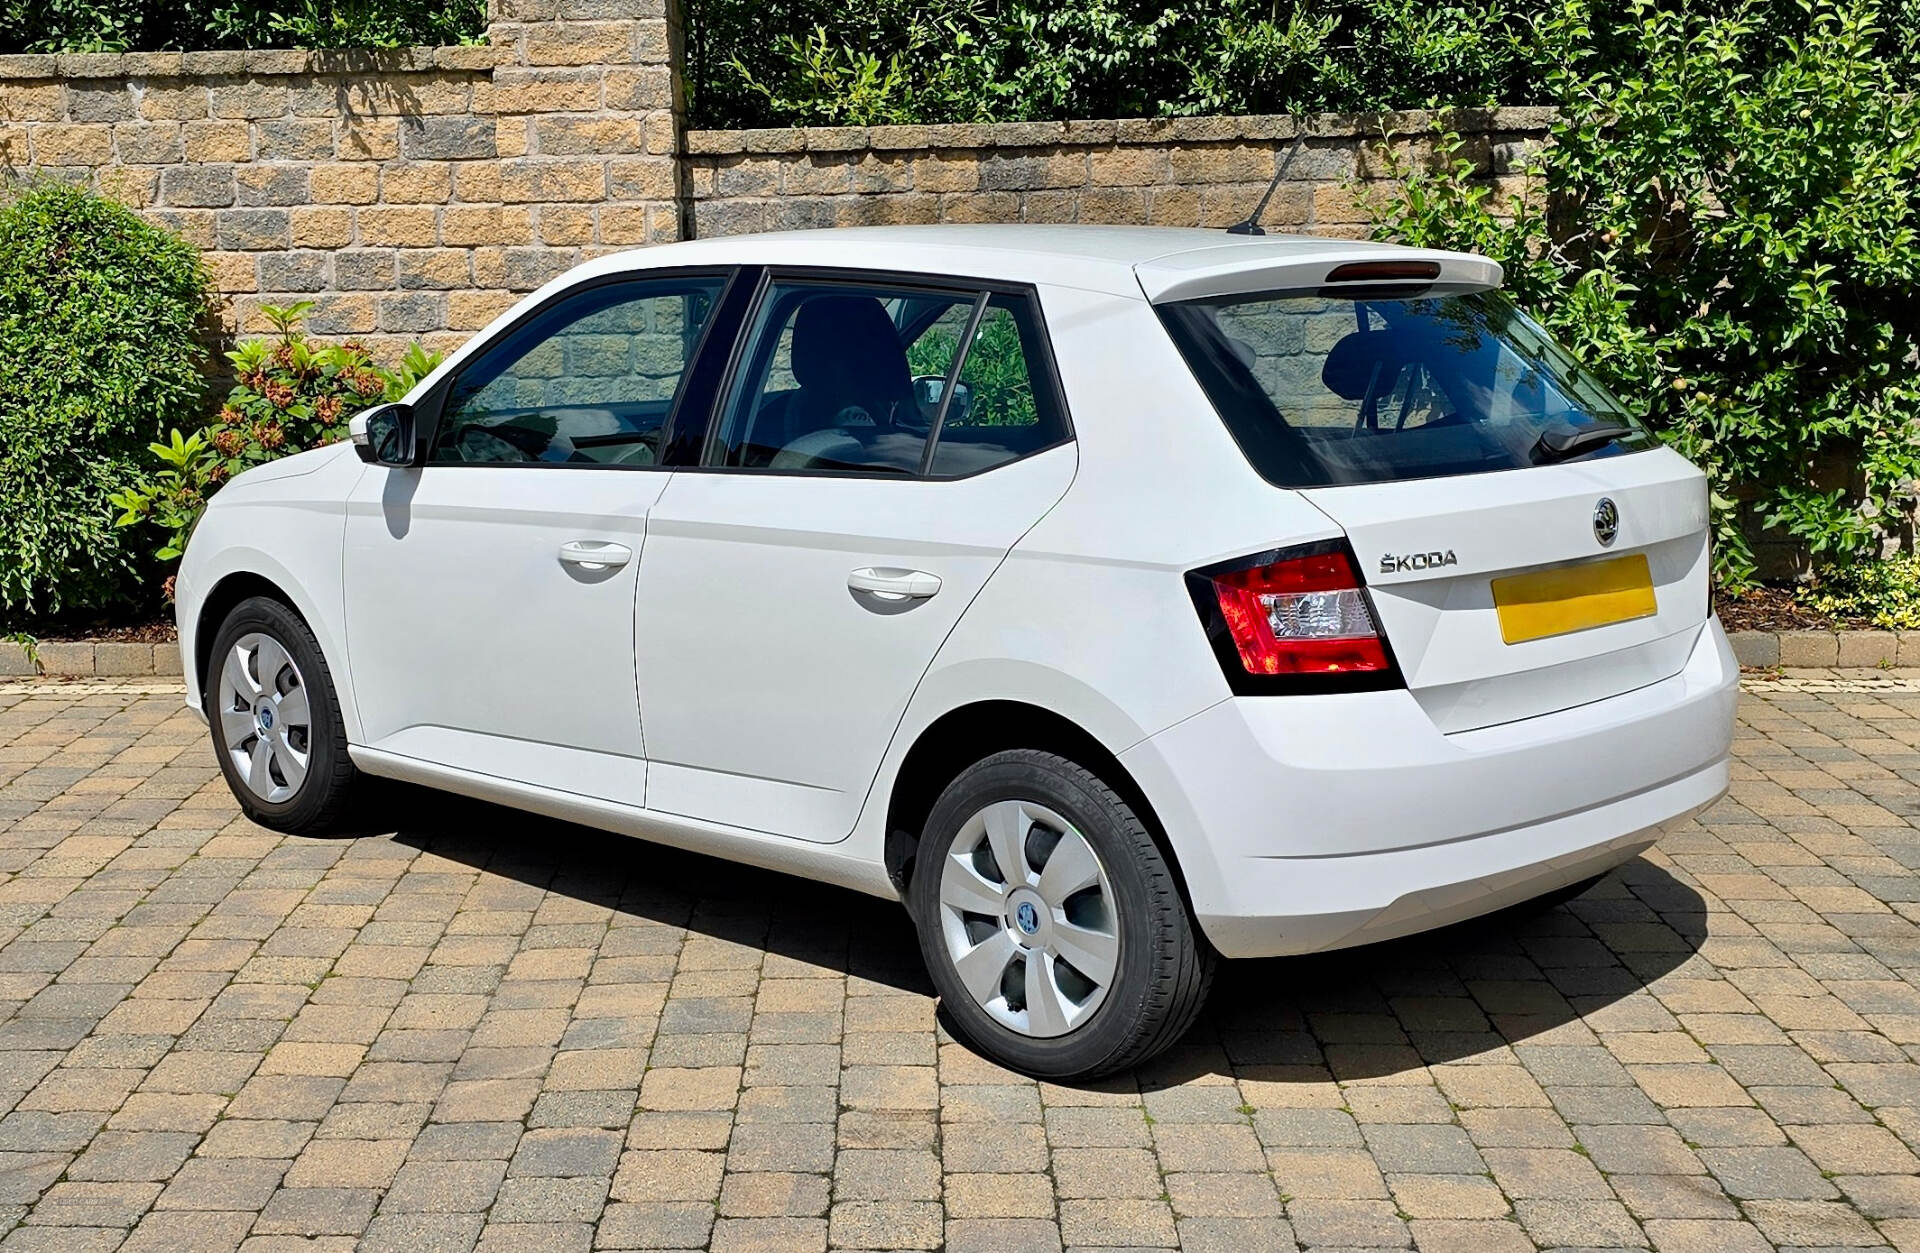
(1164,263)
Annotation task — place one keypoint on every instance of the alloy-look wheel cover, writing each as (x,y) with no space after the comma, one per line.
(1029,918)
(265,718)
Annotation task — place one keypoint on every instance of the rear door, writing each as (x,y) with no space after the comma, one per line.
(797,586)
(1528,546)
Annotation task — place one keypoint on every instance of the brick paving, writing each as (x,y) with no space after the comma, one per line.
(491,1031)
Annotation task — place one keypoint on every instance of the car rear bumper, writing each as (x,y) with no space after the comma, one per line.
(1309,823)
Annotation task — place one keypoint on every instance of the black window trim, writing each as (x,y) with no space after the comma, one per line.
(952,381)
(430,409)
(892,280)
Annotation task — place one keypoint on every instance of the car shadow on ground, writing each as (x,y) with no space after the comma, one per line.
(1366,1013)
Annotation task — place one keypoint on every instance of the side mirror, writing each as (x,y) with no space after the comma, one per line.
(927,390)
(383,435)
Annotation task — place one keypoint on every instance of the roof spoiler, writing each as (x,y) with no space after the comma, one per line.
(1280,263)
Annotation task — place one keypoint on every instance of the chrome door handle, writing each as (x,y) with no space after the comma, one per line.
(593,554)
(887,583)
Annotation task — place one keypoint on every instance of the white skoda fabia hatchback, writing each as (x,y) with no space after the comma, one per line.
(1120,599)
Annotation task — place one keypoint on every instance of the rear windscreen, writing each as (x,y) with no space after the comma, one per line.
(1366,387)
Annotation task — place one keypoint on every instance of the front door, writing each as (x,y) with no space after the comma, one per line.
(490,589)
(864,480)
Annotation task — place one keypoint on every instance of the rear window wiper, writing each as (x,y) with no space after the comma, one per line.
(1559,442)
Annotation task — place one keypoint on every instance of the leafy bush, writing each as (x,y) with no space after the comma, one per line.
(91,25)
(1885,593)
(144,25)
(995,371)
(101,316)
(290,395)
(800,62)
(1733,242)
(986,60)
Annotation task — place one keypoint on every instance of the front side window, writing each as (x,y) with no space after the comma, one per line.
(1330,388)
(855,378)
(589,380)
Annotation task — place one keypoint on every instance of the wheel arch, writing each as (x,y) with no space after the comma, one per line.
(966,734)
(219,602)
(240,580)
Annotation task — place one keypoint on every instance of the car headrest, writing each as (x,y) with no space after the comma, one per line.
(1355,360)
(848,346)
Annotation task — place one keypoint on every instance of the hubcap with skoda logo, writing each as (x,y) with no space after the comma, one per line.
(266,722)
(1028,918)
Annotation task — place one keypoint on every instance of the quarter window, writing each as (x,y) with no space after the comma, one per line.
(997,414)
(589,380)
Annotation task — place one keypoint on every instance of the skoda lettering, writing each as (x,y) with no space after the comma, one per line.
(1402,563)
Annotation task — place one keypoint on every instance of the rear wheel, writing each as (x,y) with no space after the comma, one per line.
(1051,922)
(275,720)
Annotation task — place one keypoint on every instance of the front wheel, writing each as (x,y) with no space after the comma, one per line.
(276,724)
(1051,923)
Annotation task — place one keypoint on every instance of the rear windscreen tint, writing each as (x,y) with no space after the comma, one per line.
(1321,389)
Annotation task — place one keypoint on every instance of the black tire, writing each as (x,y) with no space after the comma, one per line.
(324,799)
(1164,968)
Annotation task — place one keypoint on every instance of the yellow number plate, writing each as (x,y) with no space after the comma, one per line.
(1573,598)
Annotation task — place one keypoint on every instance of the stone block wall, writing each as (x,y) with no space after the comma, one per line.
(1165,172)
(417,193)
(408,194)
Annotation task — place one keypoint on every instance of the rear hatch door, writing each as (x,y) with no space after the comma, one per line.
(1437,553)
(1528,545)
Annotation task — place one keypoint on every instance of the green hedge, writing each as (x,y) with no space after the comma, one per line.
(150,25)
(101,323)
(801,62)
(826,62)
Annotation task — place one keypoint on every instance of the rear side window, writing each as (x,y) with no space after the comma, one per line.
(828,380)
(873,379)
(1329,388)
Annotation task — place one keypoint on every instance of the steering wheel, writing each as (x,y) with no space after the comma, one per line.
(481,443)
(475,443)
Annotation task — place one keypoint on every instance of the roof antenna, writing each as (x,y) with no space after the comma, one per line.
(1252,225)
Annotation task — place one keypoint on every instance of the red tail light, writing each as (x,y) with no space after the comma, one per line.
(1297,614)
